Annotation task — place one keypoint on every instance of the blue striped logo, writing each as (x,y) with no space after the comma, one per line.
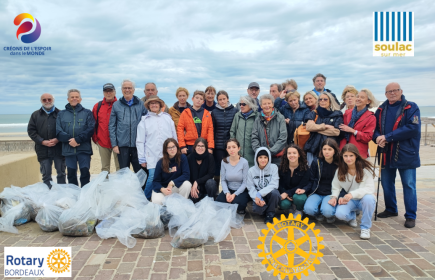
(393,26)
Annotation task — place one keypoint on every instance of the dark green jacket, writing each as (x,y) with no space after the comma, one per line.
(241,129)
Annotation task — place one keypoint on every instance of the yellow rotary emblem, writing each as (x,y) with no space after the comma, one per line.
(293,246)
(59,261)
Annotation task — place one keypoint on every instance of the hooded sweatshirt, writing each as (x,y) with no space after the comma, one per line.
(262,181)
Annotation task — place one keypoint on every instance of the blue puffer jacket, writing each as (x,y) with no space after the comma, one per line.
(222,121)
(404,141)
(296,118)
(77,123)
(124,120)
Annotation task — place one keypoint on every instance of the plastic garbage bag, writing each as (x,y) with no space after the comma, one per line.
(225,217)
(81,219)
(181,210)
(150,224)
(13,209)
(48,217)
(32,194)
(165,216)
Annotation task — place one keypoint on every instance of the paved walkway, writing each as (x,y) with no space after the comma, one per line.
(393,252)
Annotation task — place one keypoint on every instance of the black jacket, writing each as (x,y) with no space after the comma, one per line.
(222,121)
(43,127)
(315,172)
(289,185)
(316,139)
(201,173)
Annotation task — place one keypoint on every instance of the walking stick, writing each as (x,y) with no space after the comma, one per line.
(378,151)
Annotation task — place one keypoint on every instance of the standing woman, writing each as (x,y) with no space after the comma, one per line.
(175,111)
(202,170)
(241,128)
(310,100)
(234,172)
(293,178)
(172,173)
(294,112)
(319,188)
(209,103)
(153,129)
(222,117)
(360,123)
(327,125)
(355,176)
(270,130)
(349,97)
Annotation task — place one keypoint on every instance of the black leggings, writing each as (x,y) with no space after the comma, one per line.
(241,199)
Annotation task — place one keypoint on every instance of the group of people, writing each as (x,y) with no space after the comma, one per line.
(254,149)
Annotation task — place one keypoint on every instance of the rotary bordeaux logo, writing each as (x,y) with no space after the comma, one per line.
(290,246)
(59,261)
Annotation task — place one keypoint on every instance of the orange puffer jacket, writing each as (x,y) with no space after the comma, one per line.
(186,129)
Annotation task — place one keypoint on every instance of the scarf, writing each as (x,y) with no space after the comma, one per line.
(198,156)
(355,117)
(50,111)
(246,115)
(323,113)
(129,103)
(318,93)
(266,117)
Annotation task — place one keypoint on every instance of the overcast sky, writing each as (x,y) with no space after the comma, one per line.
(193,44)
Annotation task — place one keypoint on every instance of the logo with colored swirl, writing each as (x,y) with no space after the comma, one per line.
(26,27)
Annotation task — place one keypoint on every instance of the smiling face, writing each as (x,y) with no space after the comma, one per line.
(74,98)
(309,100)
(319,83)
(209,96)
(244,108)
(127,90)
(362,100)
(232,148)
(172,149)
(154,106)
(262,161)
(293,155)
(47,100)
(109,94)
(293,101)
(200,148)
(349,158)
(328,152)
(324,101)
(223,101)
(267,106)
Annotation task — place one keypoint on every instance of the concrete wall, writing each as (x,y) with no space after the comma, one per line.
(19,170)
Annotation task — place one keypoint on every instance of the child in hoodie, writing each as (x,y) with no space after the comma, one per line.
(262,183)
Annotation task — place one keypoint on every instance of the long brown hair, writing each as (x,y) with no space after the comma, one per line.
(360,164)
(285,163)
(331,143)
(166,159)
(226,145)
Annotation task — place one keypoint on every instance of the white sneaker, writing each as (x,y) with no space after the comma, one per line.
(353,223)
(320,218)
(297,212)
(365,234)
(330,220)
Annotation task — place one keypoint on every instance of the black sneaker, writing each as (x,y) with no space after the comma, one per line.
(269,219)
(387,214)
(410,223)
(241,212)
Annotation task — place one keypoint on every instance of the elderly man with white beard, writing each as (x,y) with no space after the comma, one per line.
(42,130)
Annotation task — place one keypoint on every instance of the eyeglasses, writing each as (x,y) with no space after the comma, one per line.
(200,146)
(172,148)
(392,91)
(127,88)
(242,104)
(323,99)
(47,100)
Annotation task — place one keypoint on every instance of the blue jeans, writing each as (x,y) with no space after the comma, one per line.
(314,201)
(149,185)
(408,177)
(366,205)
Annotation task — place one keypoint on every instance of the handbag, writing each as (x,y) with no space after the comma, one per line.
(301,134)
(267,140)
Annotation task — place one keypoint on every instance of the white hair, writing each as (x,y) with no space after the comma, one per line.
(249,102)
(266,96)
(151,83)
(126,81)
(74,90)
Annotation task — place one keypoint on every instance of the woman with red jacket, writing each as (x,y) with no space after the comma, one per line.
(359,122)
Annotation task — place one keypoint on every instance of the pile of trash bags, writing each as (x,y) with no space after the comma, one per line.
(116,207)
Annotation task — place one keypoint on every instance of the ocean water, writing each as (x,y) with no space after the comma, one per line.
(18,123)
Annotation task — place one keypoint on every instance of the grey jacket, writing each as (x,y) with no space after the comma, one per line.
(241,129)
(276,133)
(124,120)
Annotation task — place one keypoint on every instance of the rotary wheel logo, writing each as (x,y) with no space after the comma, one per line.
(59,261)
(290,246)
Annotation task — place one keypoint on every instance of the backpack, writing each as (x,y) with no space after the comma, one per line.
(301,135)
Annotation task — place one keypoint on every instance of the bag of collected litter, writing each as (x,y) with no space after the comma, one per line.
(14,216)
(150,226)
(181,210)
(226,217)
(165,216)
(9,199)
(81,219)
(48,216)
(32,194)
(194,232)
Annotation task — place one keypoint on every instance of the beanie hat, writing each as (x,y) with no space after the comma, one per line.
(262,153)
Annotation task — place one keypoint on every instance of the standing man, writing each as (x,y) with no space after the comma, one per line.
(253,91)
(42,130)
(275,91)
(151,90)
(101,137)
(398,132)
(74,128)
(319,82)
(124,118)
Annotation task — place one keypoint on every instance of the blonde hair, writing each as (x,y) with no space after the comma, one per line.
(348,89)
(374,102)
(312,93)
(294,93)
(333,105)
(181,89)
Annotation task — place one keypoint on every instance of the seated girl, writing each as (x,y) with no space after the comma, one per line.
(234,171)
(202,168)
(355,176)
(293,177)
(319,188)
(172,173)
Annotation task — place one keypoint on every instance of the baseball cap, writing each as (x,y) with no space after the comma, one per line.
(108,86)
(253,84)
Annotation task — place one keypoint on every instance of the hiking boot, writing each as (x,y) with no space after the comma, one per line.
(269,219)
(330,220)
(365,234)
(387,214)
(353,223)
(410,223)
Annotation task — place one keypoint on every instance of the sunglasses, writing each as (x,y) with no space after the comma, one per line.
(323,99)
(242,104)
(47,100)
